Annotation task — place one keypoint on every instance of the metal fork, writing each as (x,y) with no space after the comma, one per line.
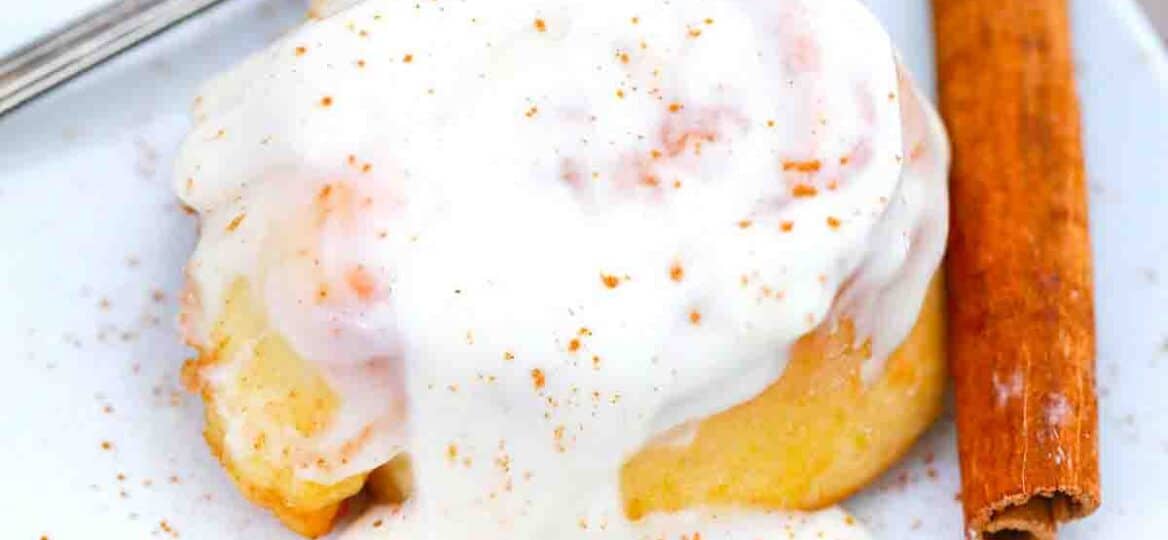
(85,42)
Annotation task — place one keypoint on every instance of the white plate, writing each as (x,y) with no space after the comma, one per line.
(91,235)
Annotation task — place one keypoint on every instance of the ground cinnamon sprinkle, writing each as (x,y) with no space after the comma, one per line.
(745,224)
(676,272)
(802,166)
(361,281)
(540,25)
(574,345)
(695,317)
(610,281)
(538,379)
(408,58)
(301,50)
(234,224)
(787,226)
(804,190)
(833,222)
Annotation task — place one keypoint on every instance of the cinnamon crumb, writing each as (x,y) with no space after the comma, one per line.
(610,281)
(540,25)
(106,445)
(558,434)
(574,345)
(538,380)
(408,58)
(326,101)
(804,190)
(833,222)
(361,282)
(301,50)
(745,224)
(808,166)
(675,107)
(695,317)
(676,272)
(234,224)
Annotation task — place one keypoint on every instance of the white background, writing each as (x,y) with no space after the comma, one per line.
(90,234)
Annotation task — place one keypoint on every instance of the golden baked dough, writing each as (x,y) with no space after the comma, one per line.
(813,438)
(280,400)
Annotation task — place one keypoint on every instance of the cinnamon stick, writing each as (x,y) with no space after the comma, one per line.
(1019,268)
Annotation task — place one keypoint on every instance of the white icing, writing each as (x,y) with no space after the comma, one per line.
(461,179)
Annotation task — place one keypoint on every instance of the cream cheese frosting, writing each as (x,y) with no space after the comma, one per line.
(522,239)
